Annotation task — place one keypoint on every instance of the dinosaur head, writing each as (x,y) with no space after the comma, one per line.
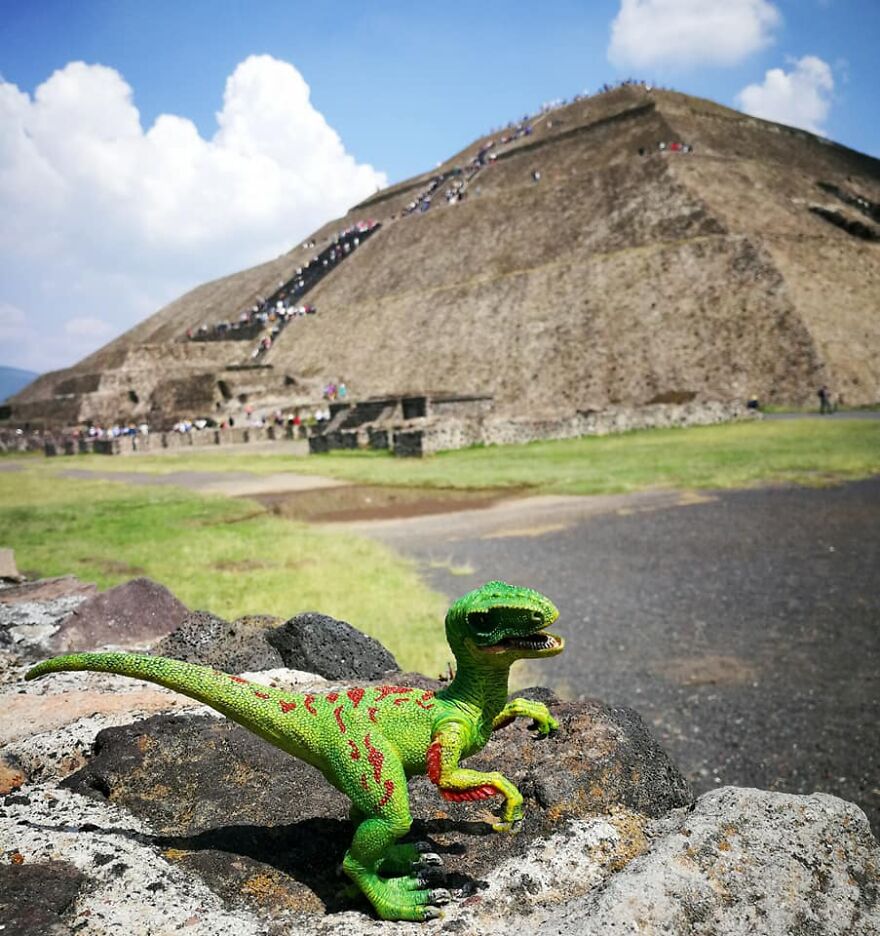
(497,624)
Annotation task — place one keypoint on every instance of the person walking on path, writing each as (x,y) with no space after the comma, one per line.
(825,401)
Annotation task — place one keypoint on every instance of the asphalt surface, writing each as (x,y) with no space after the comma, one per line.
(744,627)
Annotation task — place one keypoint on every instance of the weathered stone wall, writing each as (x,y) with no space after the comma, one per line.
(443,435)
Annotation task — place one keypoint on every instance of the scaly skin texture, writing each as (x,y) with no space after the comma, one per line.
(368,741)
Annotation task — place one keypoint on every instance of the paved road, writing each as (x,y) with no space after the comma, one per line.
(745,626)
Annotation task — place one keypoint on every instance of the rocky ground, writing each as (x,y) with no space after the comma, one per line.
(126,808)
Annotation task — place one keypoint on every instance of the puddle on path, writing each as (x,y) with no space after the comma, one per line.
(374,502)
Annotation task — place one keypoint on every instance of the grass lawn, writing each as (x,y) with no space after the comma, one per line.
(809,451)
(221,555)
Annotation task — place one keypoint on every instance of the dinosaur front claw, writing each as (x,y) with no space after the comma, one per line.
(545,725)
(511,827)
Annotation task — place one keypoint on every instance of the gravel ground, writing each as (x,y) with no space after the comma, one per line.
(743,628)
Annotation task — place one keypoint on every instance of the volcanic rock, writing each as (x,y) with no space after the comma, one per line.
(279,817)
(321,644)
(34,898)
(234,647)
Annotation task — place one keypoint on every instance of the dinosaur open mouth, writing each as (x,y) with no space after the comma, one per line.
(528,642)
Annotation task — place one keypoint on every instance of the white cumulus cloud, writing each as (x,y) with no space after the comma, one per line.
(800,97)
(684,33)
(105,220)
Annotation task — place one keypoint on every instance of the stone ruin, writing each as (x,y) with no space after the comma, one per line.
(424,425)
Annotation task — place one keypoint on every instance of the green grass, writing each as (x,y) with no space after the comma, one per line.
(804,451)
(230,557)
(222,555)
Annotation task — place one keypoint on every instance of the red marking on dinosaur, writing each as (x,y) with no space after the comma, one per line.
(475,793)
(309,703)
(261,695)
(355,695)
(332,696)
(376,759)
(427,694)
(286,706)
(238,679)
(505,723)
(432,759)
(389,792)
(421,704)
(372,713)
(355,753)
(384,691)
(338,714)
(364,783)
(400,701)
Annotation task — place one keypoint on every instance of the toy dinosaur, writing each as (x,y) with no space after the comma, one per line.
(368,741)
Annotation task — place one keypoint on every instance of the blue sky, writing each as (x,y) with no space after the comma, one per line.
(325,102)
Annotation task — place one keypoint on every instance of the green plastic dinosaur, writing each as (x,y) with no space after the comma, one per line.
(368,741)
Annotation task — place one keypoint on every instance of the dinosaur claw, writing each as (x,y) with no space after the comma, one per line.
(440,896)
(429,876)
(432,913)
(429,860)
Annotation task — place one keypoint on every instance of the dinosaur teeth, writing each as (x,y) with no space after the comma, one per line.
(531,642)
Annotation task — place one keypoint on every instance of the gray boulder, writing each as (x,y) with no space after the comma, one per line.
(742,863)
(31,613)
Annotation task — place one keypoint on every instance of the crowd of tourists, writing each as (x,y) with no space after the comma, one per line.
(115,430)
(284,305)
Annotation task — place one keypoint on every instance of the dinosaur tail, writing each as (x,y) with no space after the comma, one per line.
(247,703)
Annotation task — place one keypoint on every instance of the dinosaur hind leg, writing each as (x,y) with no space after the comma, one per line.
(380,794)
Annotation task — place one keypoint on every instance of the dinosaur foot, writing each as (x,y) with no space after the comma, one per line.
(407,898)
(426,856)
(403,858)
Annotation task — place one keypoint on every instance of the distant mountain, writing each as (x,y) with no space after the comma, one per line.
(13,379)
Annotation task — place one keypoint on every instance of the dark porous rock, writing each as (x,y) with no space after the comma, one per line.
(132,614)
(257,824)
(320,644)
(602,758)
(239,646)
(35,898)
(263,827)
